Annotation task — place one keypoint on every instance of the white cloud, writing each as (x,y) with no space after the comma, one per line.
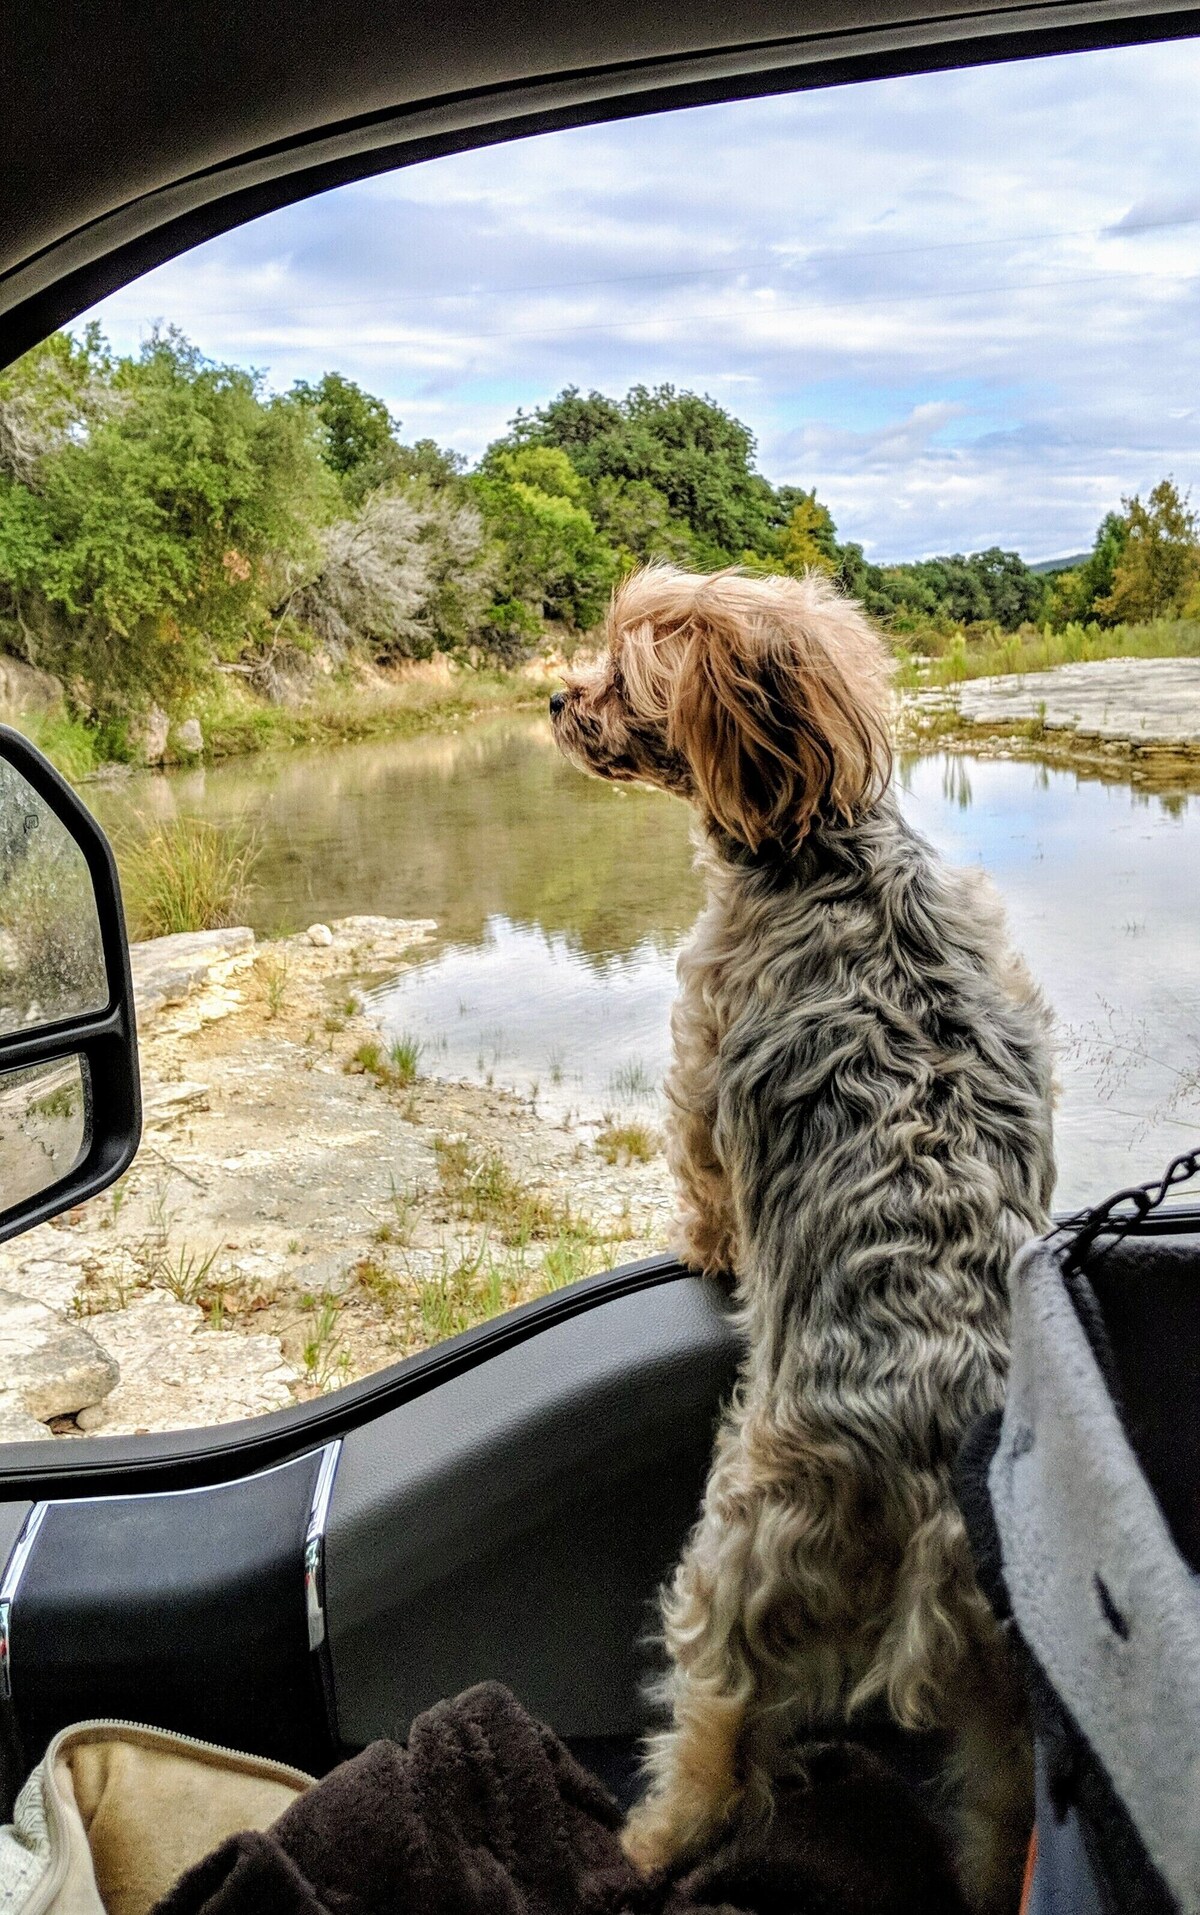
(964,306)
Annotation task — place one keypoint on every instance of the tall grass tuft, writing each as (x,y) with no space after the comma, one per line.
(187,876)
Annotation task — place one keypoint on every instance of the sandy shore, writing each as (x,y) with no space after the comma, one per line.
(298,1215)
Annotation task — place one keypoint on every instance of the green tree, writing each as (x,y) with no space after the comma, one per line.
(1015,594)
(692,452)
(985,588)
(552,558)
(808,540)
(155,537)
(356,429)
(1073,595)
(636,519)
(1158,569)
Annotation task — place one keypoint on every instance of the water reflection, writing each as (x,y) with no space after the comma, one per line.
(463,828)
(562,903)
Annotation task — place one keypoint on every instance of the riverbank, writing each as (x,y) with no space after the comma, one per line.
(306,1207)
(1136,720)
(436,695)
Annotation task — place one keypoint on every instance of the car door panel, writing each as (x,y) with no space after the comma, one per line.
(516,1523)
(512,1521)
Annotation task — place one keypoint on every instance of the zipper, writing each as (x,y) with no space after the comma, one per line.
(56,1828)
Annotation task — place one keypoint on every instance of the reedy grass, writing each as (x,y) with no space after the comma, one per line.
(327,1363)
(234,722)
(186,875)
(395,1068)
(631,1082)
(183,1275)
(404,1055)
(963,655)
(469,1286)
(274,973)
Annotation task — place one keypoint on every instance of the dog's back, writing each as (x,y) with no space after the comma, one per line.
(883,1080)
(879,1084)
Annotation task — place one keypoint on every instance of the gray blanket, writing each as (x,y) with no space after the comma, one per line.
(1103,1601)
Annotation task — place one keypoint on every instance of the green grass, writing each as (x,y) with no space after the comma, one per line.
(404,1055)
(235,722)
(185,1275)
(988,654)
(575,1253)
(186,876)
(395,1068)
(73,747)
(327,1363)
(462,1292)
(274,973)
(482,1189)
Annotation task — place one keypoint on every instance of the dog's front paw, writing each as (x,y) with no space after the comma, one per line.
(664,1831)
(656,1837)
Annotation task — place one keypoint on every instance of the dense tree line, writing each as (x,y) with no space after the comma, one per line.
(163,519)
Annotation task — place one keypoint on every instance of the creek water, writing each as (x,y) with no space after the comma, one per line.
(561,904)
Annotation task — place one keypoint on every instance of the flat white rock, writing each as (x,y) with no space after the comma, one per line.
(48,1367)
(178,1374)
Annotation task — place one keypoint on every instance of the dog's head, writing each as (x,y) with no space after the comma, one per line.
(762,700)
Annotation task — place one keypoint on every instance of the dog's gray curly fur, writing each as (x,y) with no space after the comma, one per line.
(860,1133)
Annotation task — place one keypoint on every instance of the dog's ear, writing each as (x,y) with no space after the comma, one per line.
(780,707)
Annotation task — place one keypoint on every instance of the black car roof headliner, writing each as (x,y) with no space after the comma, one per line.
(130,131)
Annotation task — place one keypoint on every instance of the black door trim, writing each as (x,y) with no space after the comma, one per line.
(193,1459)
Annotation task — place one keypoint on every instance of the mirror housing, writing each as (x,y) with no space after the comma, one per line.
(99,1040)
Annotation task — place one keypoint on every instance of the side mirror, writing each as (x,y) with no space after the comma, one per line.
(70,1098)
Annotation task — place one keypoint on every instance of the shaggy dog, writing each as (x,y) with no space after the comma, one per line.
(860,1134)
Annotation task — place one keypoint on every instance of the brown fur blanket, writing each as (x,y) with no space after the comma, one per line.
(487,1813)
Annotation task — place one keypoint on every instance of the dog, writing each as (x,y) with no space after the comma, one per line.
(860,1135)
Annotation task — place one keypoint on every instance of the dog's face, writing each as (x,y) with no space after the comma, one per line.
(761,700)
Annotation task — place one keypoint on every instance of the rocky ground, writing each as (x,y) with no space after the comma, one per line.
(1133,718)
(303,1209)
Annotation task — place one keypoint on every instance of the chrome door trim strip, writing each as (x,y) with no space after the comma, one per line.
(14,1569)
(314,1544)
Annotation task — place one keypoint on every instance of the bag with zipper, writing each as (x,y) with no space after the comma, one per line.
(116,1812)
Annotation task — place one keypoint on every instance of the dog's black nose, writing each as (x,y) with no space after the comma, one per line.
(557,702)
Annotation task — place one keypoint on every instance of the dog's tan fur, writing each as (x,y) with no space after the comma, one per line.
(860,1135)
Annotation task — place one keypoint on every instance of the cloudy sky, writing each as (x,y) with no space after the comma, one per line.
(966,306)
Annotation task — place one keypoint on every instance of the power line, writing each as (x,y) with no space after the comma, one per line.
(816,256)
(857,302)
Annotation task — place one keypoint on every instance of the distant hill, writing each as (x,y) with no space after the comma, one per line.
(1048,568)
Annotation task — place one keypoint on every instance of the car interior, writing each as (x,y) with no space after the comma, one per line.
(302,1584)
